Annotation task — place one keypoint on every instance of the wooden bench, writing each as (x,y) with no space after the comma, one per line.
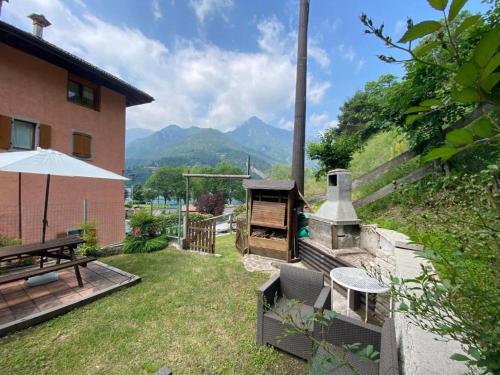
(59,249)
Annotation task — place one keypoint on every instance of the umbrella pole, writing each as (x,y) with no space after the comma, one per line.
(20,209)
(44,227)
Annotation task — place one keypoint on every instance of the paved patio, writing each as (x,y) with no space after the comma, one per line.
(22,306)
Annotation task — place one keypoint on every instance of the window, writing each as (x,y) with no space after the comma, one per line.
(23,135)
(82,145)
(82,93)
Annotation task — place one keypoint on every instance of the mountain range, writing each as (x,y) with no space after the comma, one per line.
(174,145)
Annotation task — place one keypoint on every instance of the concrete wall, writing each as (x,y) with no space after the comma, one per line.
(35,90)
(420,352)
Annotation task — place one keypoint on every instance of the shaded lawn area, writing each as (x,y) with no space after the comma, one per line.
(195,314)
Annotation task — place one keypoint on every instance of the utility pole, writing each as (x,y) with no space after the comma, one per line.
(299,129)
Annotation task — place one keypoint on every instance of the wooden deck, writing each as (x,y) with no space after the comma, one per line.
(22,306)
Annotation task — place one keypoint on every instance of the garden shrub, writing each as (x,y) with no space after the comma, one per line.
(134,244)
(91,246)
(145,235)
(211,203)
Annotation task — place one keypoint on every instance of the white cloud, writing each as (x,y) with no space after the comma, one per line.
(285,124)
(272,38)
(360,65)
(193,83)
(318,54)
(347,53)
(316,90)
(208,8)
(322,121)
(157,14)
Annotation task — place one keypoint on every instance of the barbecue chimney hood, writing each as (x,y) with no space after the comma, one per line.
(338,208)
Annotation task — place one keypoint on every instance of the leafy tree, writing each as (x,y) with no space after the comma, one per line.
(333,150)
(168,181)
(211,203)
(138,193)
(463,50)
(229,188)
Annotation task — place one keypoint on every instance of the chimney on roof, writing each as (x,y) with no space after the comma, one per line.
(1,1)
(39,22)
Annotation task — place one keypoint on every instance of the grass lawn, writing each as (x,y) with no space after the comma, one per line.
(195,314)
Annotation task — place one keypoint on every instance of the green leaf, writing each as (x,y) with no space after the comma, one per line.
(403,307)
(431,103)
(467,74)
(423,48)
(416,109)
(460,136)
(468,22)
(419,30)
(412,118)
(444,153)
(483,127)
(459,357)
(491,67)
(488,84)
(438,4)
(455,8)
(475,353)
(487,47)
(466,96)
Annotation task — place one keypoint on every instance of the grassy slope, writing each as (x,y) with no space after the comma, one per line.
(379,149)
(195,314)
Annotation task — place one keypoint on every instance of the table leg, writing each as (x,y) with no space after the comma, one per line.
(348,301)
(331,294)
(366,308)
(77,270)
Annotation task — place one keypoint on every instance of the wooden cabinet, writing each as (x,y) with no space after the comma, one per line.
(271,225)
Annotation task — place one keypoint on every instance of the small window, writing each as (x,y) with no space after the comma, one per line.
(82,94)
(23,135)
(82,145)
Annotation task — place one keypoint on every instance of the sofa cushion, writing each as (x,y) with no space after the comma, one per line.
(320,365)
(388,349)
(301,284)
(298,311)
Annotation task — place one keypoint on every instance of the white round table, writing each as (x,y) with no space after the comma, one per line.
(357,279)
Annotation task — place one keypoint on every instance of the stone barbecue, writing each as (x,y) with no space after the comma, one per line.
(336,225)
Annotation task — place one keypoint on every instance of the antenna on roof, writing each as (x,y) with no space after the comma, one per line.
(1,1)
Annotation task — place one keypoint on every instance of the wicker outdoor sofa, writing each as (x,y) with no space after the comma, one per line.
(307,286)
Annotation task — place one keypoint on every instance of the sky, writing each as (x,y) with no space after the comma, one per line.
(215,63)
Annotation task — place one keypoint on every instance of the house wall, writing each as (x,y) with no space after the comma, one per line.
(36,90)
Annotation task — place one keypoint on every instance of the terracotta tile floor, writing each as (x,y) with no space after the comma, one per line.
(17,300)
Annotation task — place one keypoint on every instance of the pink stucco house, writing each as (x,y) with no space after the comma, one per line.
(50,98)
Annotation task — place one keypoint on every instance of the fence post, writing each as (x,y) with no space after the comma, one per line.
(85,211)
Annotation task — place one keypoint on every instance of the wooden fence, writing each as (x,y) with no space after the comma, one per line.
(201,236)
(241,236)
(394,186)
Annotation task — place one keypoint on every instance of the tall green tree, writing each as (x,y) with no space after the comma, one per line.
(168,182)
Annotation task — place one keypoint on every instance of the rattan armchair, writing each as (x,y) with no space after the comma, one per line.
(274,298)
(343,330)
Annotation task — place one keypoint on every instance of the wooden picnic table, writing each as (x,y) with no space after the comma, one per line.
(59,249)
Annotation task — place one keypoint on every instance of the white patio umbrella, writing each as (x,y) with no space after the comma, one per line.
(51,162)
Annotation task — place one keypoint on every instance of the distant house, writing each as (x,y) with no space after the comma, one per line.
(50,98)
